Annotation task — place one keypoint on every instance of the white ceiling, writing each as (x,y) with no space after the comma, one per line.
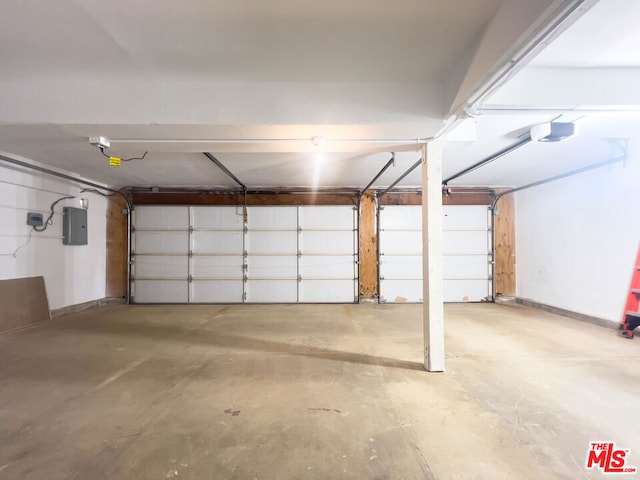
(252,83)
(239,41)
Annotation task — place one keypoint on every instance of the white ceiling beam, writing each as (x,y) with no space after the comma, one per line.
(548,88)
(517,32)
(131,102)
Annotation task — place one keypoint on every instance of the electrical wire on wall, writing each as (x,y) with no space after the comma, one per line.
(49,220)
(15,252)
(45,225)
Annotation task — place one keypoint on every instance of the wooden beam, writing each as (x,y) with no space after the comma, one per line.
(116,248)
(505,252)
(368,247)
(468,197)
(207,198)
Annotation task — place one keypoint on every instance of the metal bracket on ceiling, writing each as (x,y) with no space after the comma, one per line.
(221,166)
(621,144)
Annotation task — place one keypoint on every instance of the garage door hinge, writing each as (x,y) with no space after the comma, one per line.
(244,254)
(299,278)
(190,279)
(245,229)
(244,296)
(133,229)
(299,253)
(381,277)
(190,229)
(245,278)
(299,228)
(190,254)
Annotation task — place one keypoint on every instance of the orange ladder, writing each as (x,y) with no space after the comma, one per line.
(631,317)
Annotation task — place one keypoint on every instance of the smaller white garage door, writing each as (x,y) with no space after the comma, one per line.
(466,262)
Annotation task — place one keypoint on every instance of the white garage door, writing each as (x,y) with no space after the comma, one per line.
(466,261)
(207,254)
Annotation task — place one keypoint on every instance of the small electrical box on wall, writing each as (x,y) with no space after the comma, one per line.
(35,219)
(74,226)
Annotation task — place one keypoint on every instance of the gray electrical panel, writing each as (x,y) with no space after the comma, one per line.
(74,226)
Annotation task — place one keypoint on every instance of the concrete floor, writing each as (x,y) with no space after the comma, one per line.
(318,392)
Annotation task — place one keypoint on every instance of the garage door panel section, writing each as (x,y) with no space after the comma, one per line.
(272,291)
(161,218)
(217,267)
(465,253)
(328,246)
(275,267)
(468,267)
(272,218)
(401,291)
(339,267)
(168,243)
(464,290)
(166,267)
(397,218)
(400,243)
(272,243)
(327,218)
(216,243)
(326,243)
(465,242)
(464,217)
(160,262)
(217,218)
(327,291)
(216,260)
(217,291)
(161,291)
(407,267)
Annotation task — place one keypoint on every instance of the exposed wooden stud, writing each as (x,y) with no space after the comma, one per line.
(505,252)
(116,248)
(368,247)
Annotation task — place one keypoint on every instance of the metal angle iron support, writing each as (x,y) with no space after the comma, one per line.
(487,160)
(222,167)
(391,162)
(401,177)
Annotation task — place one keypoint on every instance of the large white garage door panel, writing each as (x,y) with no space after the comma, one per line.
(465,248)
(207,254)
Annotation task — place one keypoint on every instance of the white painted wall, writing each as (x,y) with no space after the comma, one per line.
(577,240)
(73,274)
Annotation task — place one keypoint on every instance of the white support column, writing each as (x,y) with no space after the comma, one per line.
(433,307)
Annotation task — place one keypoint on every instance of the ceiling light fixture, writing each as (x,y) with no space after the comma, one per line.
(319,141)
